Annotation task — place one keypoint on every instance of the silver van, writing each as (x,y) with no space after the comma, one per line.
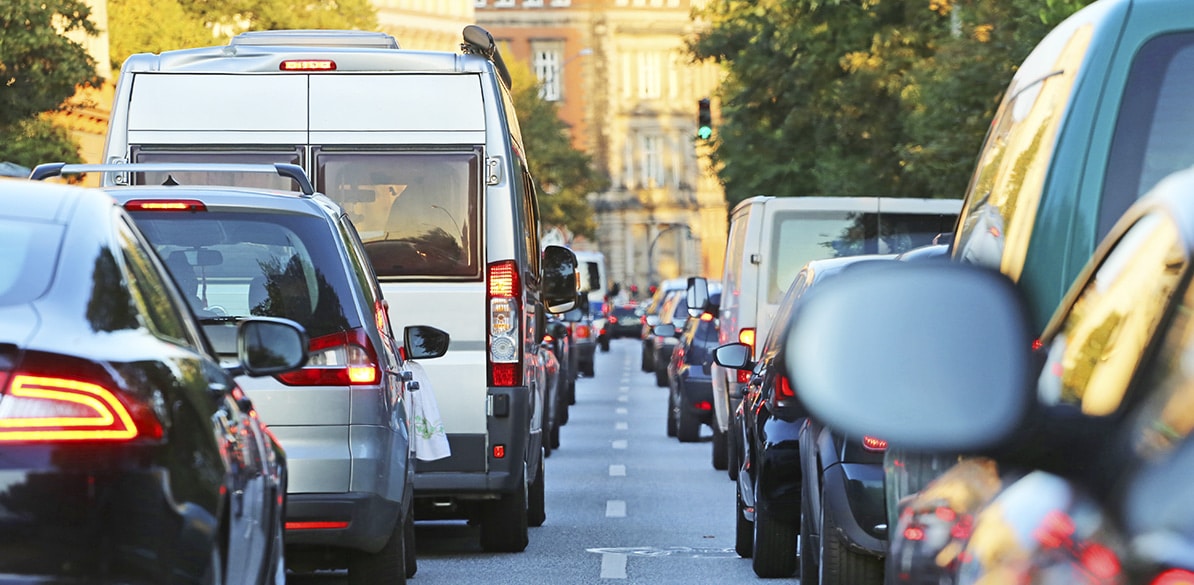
(423,151)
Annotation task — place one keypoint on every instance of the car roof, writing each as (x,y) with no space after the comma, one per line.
(41,201)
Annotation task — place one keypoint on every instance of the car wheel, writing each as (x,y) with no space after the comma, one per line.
(571,395)
(554,438)
(561,413)
(648,359)
(688,427)
(588,369)
(661,376)
(504,521)
(604,345)
(384,567)
(838,565)
(671,414)
(775,545)
(735,453)
(536,499)
(808,542)
(408,539)
(719,449)
(744,531)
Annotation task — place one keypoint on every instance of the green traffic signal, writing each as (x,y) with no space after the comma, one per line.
(704,132)
(704,119)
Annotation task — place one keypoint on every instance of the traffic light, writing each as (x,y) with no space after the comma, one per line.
(704,120)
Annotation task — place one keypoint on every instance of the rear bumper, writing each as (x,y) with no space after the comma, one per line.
(696,388)
(371,520)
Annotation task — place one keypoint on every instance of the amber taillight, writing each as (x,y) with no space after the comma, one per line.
(344,358)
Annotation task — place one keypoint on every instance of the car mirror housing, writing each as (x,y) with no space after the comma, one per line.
(652,320)
(558,279)
(945,364)
(697,295)
(424,342)
(664,330)
(267,346)
(733,355)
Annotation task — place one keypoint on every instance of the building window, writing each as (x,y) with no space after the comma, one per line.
(532,3)
(480,3)
(558,3)
(651,158)
(503,3)
(547,62)
(649,71)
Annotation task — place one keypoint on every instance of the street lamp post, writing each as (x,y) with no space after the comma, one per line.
(655,240)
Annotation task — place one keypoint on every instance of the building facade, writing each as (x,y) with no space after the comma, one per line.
(425,25)
(627,89)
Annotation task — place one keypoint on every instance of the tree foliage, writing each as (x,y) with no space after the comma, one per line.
(564,175)
(152,26)
(862,97)
(36,140)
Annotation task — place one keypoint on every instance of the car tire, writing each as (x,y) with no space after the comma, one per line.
(648,359)
(671,414)
(536,498)
(571,395)
(837,564)
(553,439)
(587,369)
(562,412)
(412,559)
(688,427)
(809,553)
(384,567)
(744,531)
(719,449)
(504,521)
(735,453)
(661,376)
(604,345)
(775,546)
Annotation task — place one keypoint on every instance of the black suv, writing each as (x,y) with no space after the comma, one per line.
(345,419)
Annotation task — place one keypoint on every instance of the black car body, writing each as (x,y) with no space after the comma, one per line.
(127,453)
(624,321)
(690,381)
(651,318)
(1090,434)
(673,313)
(797,478)
(561,382)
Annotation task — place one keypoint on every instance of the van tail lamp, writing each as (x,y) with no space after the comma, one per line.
(914,534)
(165,205)
(317,525)
(582,331)
(783,388)
(963,527)
(873,444)
(504,293)
(38,409)
(307,65)
(1174,577)
(344,358)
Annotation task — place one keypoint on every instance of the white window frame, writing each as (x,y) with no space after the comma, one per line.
(651,160)
(561,3)
(650,72)
(547,60)
(503,3)
(480,3)
(532,3)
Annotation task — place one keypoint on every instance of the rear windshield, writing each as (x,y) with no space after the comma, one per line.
(30,250)
(801,236)
(418,213)
(252,263)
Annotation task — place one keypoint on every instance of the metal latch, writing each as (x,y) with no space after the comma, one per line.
(756,259)
(493,170)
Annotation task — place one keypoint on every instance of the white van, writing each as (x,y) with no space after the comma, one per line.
(771,238)
(423,151)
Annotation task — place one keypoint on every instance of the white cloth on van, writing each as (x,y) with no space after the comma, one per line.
(431,442)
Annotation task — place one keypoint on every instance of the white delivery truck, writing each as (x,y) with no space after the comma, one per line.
(423,151)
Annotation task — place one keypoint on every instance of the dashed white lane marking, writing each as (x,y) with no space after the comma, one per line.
(624,389)
(613,566)
(621,426)
(620,444)
(623,398)
(615,509)
(621,410)
(617,471)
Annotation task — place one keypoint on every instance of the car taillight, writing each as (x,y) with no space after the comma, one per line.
(307,65)
(706,317)
(747,336)
(914,534)
(50,409)
(582,331)
(504,353)
(165,205)
(1100,561)
(874,444)
(343,358)
(1174,577)
(783,389)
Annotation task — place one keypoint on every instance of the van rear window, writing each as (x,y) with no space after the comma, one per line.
(418,213)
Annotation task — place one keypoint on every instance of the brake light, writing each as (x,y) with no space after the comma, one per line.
(1100,561)
(1055,530)
(165,205)
(46,409)
(547,338)
(783,389)
(505,358)
(613,320)
(381,315)
(343,358)
(1174,577)
(307,65)
(743,376)
(914,534)
(874,444)
(582,331)
(316,525)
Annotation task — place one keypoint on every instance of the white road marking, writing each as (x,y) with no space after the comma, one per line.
(621,410)
(620,444)
(617,471)
(623,398)
(613,566)
(615,509)
(624,388)
(621,426)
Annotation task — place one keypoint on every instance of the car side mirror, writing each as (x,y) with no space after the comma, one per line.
(424,342)
(266,346)
(558,279)
(697,295)
(736,356)
(652,320)
(664,330)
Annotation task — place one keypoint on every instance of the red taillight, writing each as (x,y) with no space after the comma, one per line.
(914,534)
(339,359)
(743,376)
(874,444)
(945,513)
(307,65)
(704,405)
(1055,530)
(613,320)
(783,389)
(964,526)
(1174,577)
(1100,561)
(583,331)
(503,279)
(505,352)
(499,451)
(547,338)
(43,409)
(317,525)
(165,205)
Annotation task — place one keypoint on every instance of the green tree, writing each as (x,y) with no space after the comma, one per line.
(564,175)
(152,26)
(36,140)
(284,14)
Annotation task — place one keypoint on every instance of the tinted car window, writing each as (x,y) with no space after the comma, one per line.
(149,291)
(242,264)
(1100,343)
(29,250)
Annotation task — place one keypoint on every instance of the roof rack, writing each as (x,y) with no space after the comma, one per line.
(478,41)
(316,38)
(291,171)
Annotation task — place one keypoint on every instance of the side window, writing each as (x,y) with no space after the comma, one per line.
(1009,179)
(363,272)
(149,290)
(732,281)
(530,211)
(1099,343)
(1167,416)
(786,307)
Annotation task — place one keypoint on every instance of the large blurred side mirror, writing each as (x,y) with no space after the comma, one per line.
(652,320)
(267,346)
(664,330)
(424,342)
(735,356)
(697,295)
(558,279)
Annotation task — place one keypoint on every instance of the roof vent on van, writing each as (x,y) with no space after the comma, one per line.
(316,38)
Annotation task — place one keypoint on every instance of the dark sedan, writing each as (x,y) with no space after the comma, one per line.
(690,381)
(624,321)
(128,454)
